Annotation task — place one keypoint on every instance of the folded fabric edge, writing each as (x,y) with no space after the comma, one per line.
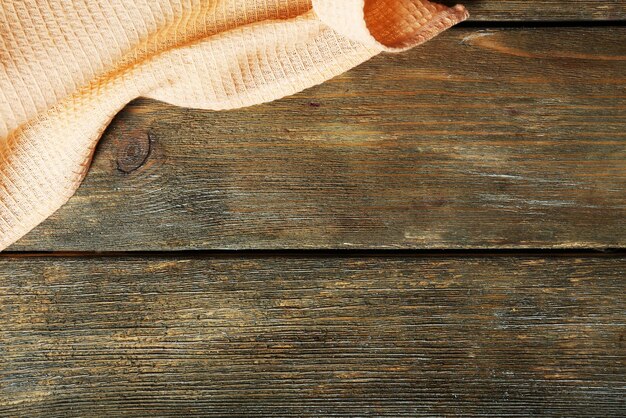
(389,30)
(439,23)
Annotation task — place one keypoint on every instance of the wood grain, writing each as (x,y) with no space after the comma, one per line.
(312,336)
(543,10)
(503,138)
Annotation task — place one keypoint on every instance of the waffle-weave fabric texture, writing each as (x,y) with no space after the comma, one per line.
(68,66)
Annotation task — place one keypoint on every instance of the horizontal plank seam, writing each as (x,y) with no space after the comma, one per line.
(530,24)
(326,253)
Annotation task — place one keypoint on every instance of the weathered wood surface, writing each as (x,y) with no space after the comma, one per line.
(510,138)
(322,336)
(543,10)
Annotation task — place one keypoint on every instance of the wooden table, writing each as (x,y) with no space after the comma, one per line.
(439,232)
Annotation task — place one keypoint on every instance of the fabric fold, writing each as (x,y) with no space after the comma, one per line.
(388,25)
(67,67)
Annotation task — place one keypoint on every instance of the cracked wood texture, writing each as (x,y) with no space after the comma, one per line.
(498,138)
(316,335)
(484,138)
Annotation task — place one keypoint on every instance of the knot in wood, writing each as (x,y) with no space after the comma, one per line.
(133,152)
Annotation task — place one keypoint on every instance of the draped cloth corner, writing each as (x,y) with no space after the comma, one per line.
(67,67)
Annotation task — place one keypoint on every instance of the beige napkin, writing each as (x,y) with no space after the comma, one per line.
(68,66)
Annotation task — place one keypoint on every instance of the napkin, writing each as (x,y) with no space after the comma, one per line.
(68,66)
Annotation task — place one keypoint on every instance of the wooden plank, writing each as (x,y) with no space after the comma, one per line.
(312,336)
(504,138)
(544,10)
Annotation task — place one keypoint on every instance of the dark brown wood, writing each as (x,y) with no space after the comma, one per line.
(503,138)
(543,10)
(312,336)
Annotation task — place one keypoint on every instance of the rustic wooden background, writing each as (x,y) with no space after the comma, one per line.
(439,232)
